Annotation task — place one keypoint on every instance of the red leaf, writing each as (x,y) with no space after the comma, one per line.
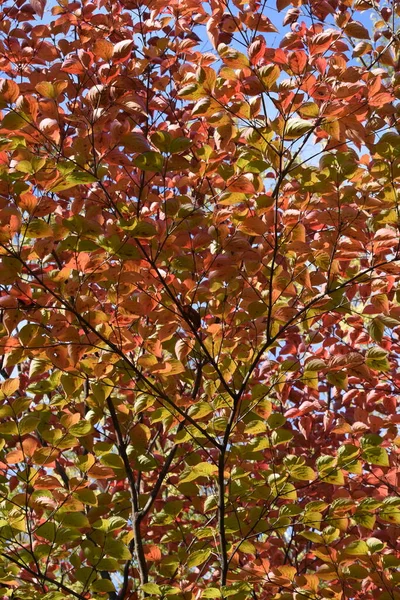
(38,6)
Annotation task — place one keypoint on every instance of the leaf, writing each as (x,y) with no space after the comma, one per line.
(13,121)
(198,557)
(135,142)
(117,549)
(276,420)
(112,460)
(376,329)
(232,57)
(73,179)
(151,588)
(38,229)
(81,428)
(104,49)
(152,553)
(75,519)
(10,386)
(376,456)
(296,127)
(87,496)
(103,585)
(180,144)
(281,436)
(334,477)
(302,473)
(365,520)
(231,198)
(375,545)
(376,358)
(357,30)
(211,592)
(338,379)
(140,229)
(14,457)
(315,364)
(9,90)
(200,470)
(362,48)
(149,161)
(122,51)
(38,6)
(282,4)
(253,226)
(357,548)
(269,74)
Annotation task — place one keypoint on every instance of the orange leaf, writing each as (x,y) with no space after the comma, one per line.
(240,184)
(152,553)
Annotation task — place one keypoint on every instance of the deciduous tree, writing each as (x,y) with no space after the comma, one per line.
(200,312)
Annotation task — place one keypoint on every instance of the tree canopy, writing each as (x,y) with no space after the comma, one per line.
(200,311)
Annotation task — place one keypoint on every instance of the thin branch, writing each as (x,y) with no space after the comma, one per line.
(58,584)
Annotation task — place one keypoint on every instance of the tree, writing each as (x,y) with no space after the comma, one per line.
(200,260)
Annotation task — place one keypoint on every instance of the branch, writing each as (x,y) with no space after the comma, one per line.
(114,348)
(60,586)
(303,310)
(221,518)
(137,540)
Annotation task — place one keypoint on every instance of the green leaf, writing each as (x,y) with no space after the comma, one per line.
(357,548)
(211,593)
(112,460)
(338,379)
(48,531)
(149,161)
(231,198)
(256,427)
(376,456)
(357,571)
(315,364)
(139,229)
(151,588)
(364,519)
(376,329)
(200,470)
(161,140)
(391,510)
(74,519)
(302,473)
(376,358)
(108,564)
(276,420)
(375,545)
(117,549)
(81,428)
(111,524)
(296,127)
(269,74)
(281,436)
(198,557)
(73,179)
(180,144)
(257,309)
(14,121)
(38,229)
(347,453)
(103,585)
(335,477)
(87,496)
(146,463)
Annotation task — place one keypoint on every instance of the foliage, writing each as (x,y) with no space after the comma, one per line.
(199,294)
